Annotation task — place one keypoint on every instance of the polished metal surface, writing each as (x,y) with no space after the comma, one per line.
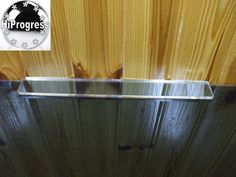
(117,89)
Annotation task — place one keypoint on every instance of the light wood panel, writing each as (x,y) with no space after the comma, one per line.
(95,31)
(170,39)
(223,69)
(11,66)
(136,30)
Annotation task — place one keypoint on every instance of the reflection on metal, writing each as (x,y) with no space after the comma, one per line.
(117,89)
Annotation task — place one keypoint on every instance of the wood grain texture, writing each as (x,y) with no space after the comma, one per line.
(182,39)
(95,32)
(137,124)
(178,120)
(193,139)
(50,137)
(212,138)
(11,66)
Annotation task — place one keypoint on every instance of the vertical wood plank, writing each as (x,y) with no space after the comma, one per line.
(224,67)
(11,66)
(95,31)
(201,25)
(10,162)
(56,62)
(165,20)
(164,39)
(90,137)
(178,119)
(137,124)
(24,151)
(213,134)
(226,162)
(98,125)
(58,120)
(136,30)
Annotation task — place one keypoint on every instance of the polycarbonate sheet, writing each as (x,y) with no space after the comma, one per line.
(120,89)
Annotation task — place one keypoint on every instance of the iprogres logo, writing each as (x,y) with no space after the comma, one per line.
(25,25)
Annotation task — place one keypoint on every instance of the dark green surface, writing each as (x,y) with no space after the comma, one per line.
(55,137)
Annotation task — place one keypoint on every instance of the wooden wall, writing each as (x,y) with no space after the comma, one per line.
(53,137)
(171,39)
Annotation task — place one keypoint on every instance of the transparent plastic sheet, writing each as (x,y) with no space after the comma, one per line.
(117,89)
